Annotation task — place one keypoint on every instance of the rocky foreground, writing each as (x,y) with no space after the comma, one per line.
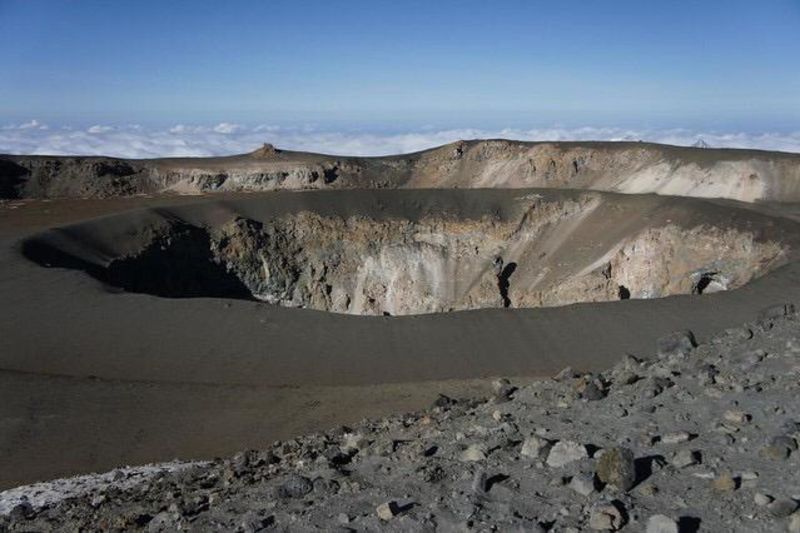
(693,438)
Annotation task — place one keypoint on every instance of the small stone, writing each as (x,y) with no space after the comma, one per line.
(593,392)
(502,388)
(295,487)
(678,343)
(724,483)
(474,452)
(647,490)
(354,442)
(387,511)
(535,447)
(479,482)
(684,458)
(661,524)
(762,499)
(779,448)
(583,484)
(782,508)
(565,374)
(676,438)
(565,452)
(616,467)
(736,417)
(254,523)
(794,523)
(606,517)
(343,518)
(626,377)
(707,374)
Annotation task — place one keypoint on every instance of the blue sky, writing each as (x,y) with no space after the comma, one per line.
(371,65)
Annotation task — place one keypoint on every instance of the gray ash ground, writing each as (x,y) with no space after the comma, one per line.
(694,438)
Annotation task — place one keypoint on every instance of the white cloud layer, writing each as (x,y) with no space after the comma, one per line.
(227,138)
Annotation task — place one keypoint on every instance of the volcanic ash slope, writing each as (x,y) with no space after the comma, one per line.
(692,438)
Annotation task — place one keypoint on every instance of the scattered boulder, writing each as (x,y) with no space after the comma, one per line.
(794,523)
(616,467)
(566,374)
(388,510)
(353,442)
(779,447)
(660,523)
(593,391)
(583,484)
(480,482)
(606,517)
(473,453)
(736,417)
(502,388)
(684,458)
(295,486)
(782,508)
(678,343)
(761,499)
(725,482)
(443,401)
(535,447)
(565,452)
(676,438)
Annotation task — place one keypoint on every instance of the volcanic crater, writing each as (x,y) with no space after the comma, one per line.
(398,255)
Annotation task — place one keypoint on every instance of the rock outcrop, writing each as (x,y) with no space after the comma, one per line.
(626,167)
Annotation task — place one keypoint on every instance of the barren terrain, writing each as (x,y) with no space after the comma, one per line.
(189,308)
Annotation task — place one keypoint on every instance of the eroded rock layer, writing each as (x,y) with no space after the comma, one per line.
(627,167)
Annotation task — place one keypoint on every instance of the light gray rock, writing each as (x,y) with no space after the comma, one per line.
(565,452)
(660,523)
(502,388)
(473,453)
(779,447)
(782,508)
(761,499)
(684,458)
(736,417)
(387,510)
(676,438)
(535,447)
(606,517)
(794,523)
(583,484)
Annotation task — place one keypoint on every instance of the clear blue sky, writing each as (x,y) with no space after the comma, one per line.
(473,63)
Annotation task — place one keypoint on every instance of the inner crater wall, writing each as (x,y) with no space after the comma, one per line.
(545,251)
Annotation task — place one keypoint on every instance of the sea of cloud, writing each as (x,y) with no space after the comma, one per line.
(225,138)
